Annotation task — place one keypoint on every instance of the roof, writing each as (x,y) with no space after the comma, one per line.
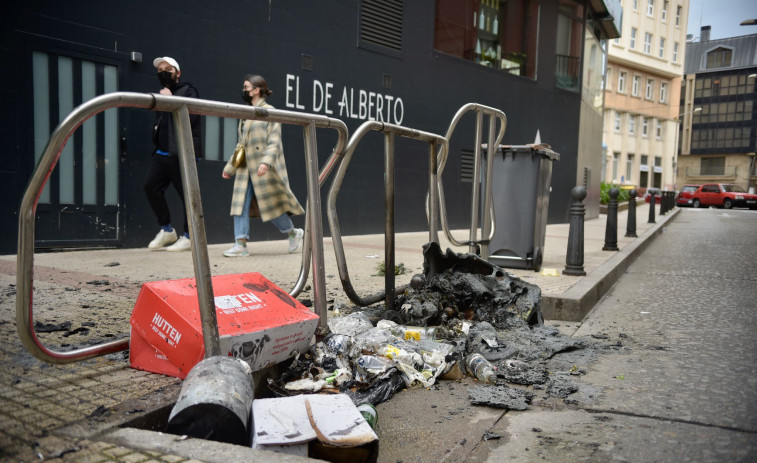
(744,53)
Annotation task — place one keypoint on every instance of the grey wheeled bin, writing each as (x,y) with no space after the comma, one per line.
(521,177)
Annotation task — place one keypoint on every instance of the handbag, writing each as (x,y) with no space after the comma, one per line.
(238,159)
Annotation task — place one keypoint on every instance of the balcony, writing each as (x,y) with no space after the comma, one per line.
(566,72)
(715,174)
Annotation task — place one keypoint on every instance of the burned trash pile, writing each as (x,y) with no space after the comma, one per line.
(462,316)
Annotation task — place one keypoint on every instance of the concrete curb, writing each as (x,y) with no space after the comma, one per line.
(574,304)
(195,449)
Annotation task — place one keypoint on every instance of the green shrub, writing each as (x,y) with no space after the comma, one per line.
(604,193)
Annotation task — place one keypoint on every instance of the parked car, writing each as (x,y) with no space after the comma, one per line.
(686,195)
(657,195)
(725,195)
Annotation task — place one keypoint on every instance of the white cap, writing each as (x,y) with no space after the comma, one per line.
(156,62)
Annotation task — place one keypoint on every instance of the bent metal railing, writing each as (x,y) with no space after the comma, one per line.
(488,222)
(389,131)
(181,108)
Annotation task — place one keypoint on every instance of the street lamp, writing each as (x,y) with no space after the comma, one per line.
(675,145)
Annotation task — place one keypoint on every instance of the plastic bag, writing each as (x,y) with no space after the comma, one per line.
(351,325)
(381,390)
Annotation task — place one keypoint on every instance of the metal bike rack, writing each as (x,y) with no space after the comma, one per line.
(389,131)
(488,222)
(181,108)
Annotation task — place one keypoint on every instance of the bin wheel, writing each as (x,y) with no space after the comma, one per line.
(537,259)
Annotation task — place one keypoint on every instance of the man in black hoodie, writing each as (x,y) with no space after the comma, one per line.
(164,167)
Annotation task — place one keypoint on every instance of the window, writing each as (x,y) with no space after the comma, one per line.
(712,166)
(648,43)
(719,58)
(635,5)
(675,52)
(617,121)
(621,82)
(650,7)
(635,85)
(650,89)
(679,8)
(644,126)
(662,47)
(658,129)
(631,124)
(615,159)
(663,92)
(608,78)
(664,11)
(632,43)
(629,167)
(569,42)
(476,31)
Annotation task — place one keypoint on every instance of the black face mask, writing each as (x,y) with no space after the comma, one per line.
(246,96)
(166,79)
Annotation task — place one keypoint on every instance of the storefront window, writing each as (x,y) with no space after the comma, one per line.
(500,34)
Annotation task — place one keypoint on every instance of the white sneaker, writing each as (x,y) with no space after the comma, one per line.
(237,250)
(294,242)
(163,238)
(182,244)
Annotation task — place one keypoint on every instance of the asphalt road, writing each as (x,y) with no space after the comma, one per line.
(670,374)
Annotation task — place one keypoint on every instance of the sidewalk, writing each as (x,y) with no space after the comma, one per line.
(73,412)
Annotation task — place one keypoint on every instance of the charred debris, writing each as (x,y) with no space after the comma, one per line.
(460,306)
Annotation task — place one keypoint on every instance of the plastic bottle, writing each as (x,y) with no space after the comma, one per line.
(479,367)
(369,413)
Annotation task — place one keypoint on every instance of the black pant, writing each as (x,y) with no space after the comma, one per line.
(162,172)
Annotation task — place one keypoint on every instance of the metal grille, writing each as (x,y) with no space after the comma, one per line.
(307,62)
(387,81)
(467,158)
(381,23)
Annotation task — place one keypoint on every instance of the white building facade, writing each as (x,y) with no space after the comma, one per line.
(642,92)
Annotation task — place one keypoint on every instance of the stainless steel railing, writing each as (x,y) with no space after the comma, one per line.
(180,108)
(389,130)
(488,222)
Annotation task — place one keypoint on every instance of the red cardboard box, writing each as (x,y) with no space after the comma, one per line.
(257,321)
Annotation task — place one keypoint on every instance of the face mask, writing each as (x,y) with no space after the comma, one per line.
(166,79)
(246,96)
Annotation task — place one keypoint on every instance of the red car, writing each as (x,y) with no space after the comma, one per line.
(686,196)
(725,195)
(657,195)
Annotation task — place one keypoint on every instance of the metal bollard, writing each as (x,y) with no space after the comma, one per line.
(611,229)
(574,260)
(631,222)
(651,208)
(663,203)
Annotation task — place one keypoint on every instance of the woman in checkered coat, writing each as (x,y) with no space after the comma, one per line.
(264,177)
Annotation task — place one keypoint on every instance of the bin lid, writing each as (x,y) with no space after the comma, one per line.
(541,148)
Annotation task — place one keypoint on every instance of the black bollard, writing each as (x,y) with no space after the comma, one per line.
(651,208)
(574,260)
(663,203)
(611,230)
(631,222)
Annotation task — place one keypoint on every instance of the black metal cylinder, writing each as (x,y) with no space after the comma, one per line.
(611,228)
(663,203)
(574,259)
(651,207)
(631,221)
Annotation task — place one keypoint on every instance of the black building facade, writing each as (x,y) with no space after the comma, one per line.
(412,63)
